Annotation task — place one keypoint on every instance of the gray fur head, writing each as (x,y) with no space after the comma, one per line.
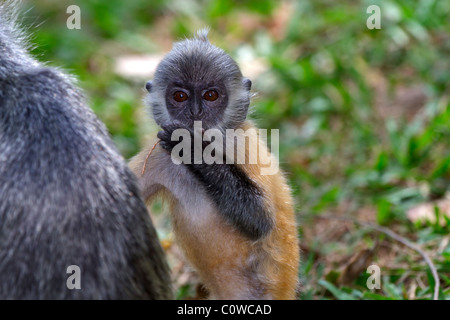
(13,42)
(198,63)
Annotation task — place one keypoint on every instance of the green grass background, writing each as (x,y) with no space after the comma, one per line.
(364,115)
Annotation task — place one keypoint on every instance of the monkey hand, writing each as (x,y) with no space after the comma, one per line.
(165,135)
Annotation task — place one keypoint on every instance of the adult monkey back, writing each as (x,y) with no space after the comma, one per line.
(66,195)
(235,225)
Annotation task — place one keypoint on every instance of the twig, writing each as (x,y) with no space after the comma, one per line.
(400,239)
(146,158)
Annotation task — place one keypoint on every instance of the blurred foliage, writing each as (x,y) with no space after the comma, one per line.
(364,115)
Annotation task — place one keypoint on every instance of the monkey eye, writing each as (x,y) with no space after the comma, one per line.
(180,96)
(211,95)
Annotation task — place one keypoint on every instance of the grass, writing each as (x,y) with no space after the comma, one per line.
(363,116)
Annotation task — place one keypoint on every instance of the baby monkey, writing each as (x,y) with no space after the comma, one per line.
(235,225)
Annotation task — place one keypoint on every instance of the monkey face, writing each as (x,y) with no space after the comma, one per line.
(197,81)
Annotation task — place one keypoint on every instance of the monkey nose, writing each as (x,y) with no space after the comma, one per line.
(196,110)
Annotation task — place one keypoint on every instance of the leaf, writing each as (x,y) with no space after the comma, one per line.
(340,295)
(375,296)
(441,169)
(384,211)
(393,291)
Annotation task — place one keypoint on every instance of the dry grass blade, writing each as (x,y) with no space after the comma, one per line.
(146,158)
(398,238)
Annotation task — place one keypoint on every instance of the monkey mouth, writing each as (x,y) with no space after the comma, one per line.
(205,124)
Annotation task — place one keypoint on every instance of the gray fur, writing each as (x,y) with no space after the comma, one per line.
(197,60)
(66,195)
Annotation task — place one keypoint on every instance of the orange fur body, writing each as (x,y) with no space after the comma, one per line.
(230,265)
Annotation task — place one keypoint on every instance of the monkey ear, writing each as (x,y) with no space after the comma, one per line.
(247,83)
(148,86)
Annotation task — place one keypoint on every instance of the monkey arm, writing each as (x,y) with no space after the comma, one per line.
(237,197)
(149,183)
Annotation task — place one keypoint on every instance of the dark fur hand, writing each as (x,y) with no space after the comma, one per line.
(237,197)
(165,135)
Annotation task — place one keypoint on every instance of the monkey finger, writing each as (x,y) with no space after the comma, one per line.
(164,135)
(166,146)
